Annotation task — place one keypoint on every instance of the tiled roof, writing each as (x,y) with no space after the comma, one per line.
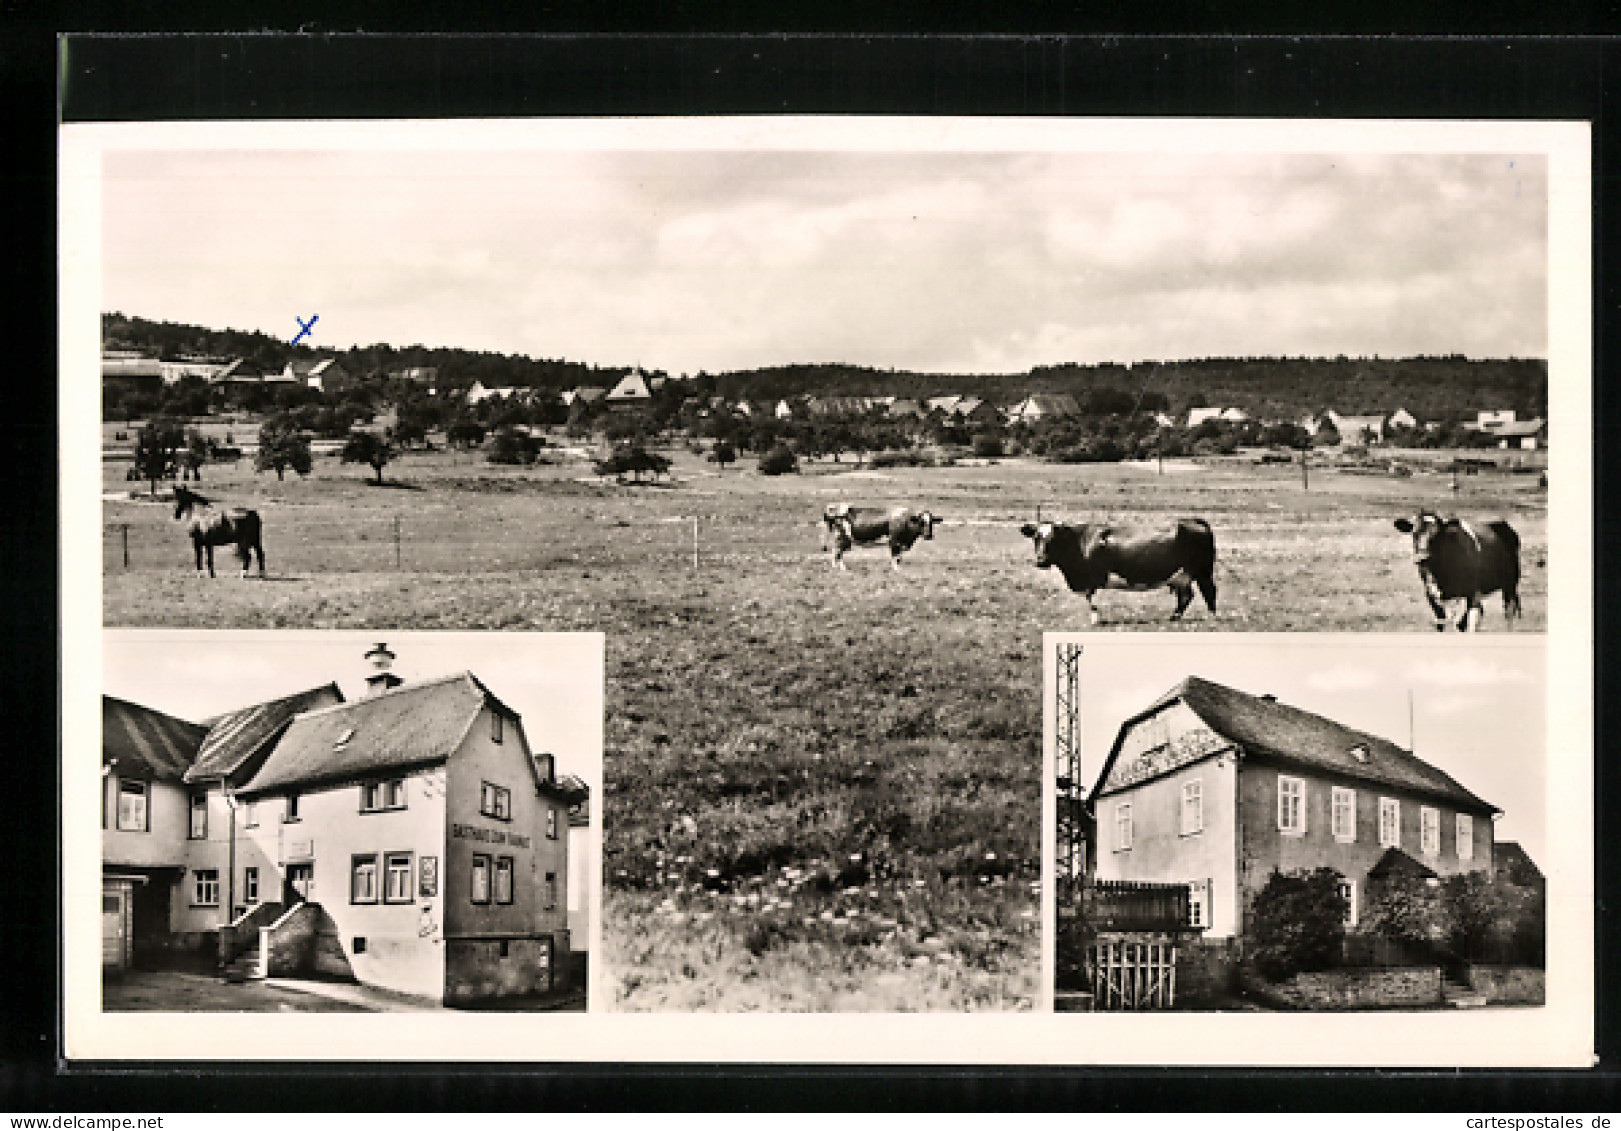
(415,725)
(146,742)
(1266,728)
(235,737)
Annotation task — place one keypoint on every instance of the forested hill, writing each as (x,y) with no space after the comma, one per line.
(1431,388)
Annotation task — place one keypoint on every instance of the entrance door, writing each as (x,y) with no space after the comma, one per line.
(114,928)
(299,879)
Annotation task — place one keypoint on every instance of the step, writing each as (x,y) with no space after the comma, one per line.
(1466,1001)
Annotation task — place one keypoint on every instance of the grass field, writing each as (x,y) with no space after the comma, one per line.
(822,789)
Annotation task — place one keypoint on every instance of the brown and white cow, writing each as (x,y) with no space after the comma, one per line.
(850,526)
(1093,556)
(1460,561)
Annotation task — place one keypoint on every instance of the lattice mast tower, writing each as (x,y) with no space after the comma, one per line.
(1071,854)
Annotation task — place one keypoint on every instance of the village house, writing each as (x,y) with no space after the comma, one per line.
(324,373)
(1527,435)
(411,840)
(145,817)
(1216,789)
(631,392)
(1197,416)
(1044,406)
(1401,419)
(976,411)
(131,374)
(946,405)
(1358,429)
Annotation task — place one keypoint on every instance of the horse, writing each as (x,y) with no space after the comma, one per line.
(210,526)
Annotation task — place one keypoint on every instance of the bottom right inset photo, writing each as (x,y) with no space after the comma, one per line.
(1297,824)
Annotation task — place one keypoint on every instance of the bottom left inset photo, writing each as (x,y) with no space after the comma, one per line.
(331,821)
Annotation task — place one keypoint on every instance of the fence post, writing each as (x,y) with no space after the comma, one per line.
(124,528)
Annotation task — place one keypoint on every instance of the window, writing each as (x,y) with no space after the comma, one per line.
(377,796)
(1389,822)
(363,878)
(481,879)
(291,813)
(503,879)
(1348,893)
(495,801)
(250,885)
(1466,837)
(1344,818)
(1199,903)
(1291,805)
(1122,827)
(551,890)
(1429,831)
(1192,807)
(543,764)
(551,824)
(495,726)
(250,814)
(397,877)
(205,890)
(358,944)
(132,812)
(199,816)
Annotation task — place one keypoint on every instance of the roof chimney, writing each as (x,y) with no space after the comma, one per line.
(381,679)
(1269,698)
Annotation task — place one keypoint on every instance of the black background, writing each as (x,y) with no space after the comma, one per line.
(772,60)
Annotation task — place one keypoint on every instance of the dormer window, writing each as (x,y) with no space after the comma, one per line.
(343,739)
(1360,752)
(495,726)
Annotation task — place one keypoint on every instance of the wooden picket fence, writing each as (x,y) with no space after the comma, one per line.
(1133,975)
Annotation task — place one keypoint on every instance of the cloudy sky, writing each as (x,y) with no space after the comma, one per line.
(553,681)
(1478,712)
(944,262)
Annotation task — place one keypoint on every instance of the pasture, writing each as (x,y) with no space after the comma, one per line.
(822,788)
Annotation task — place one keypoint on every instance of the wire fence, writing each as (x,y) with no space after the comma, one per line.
(468,544)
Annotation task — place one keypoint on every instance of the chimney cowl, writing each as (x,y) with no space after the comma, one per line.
(382,678)
(1269,698)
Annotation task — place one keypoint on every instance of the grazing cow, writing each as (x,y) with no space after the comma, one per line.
(901,527)
(1458,561)
(209,527)
(1093,557)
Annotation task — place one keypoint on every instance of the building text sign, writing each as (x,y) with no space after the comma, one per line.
(488,836)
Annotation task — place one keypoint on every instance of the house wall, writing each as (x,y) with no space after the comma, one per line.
(401,945)
(474,931)
(1160,853)
(164,845)
(579,888)
(1263,847)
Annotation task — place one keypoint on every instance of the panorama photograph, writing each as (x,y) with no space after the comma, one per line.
(823,437)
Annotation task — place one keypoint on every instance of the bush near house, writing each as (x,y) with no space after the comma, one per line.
(1465,918)
(1299,923)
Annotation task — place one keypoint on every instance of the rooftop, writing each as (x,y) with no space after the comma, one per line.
(1263,727)
(147,743)
(234,737)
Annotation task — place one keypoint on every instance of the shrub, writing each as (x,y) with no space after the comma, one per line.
(780,460)
(633,460)
(902,459)
(512,446)
(723,453)
(1299,923)
(988,446)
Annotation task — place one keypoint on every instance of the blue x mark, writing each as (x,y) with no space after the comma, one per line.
(303,326)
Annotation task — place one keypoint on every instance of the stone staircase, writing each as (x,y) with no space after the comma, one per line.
(1457,993)
(241,951)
